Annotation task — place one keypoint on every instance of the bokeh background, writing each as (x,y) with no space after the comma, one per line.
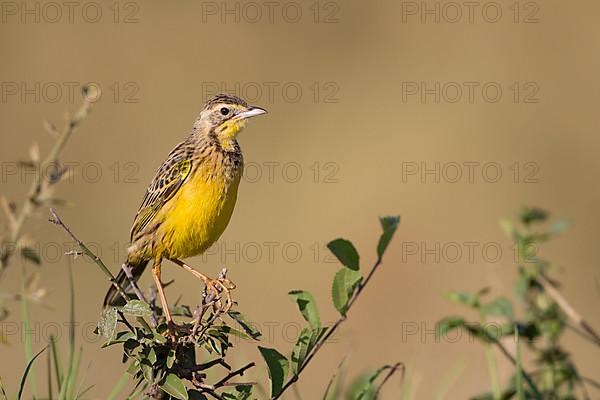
(344,131)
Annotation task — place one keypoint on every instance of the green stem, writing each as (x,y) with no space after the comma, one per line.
(493,370)
(27,330)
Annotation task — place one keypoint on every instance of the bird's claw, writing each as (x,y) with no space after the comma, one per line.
(216,288)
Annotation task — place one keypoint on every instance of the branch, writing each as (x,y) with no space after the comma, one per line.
(331,330)
(86,251)
(40,186)
(240,372)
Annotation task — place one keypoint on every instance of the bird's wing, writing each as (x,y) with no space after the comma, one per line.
(168,179)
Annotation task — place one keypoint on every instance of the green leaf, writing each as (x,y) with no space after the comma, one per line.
(30,254)
(389,226)
(446,325)
(278,368)
(363,387)
(345,252)
(120,337)
(501,307)
(241,392)
(27,369)
(245,324)
(466,298)
(345,283)
(307,340)
(532,214)
(232,331)
(307,305)
(137,308)
(175,387)
(171,358)
(107,326)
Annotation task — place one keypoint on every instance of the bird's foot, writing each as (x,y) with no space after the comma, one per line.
(219,291)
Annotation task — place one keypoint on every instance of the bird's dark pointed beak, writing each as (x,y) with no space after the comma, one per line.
(252,112)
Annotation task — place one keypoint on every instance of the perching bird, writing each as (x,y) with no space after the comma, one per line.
(189,202)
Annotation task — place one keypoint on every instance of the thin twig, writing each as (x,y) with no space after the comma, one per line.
(136,289)
(56,220)
(232,374)
(40,186)
(331,330)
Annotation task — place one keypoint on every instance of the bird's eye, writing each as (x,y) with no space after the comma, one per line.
(224,111)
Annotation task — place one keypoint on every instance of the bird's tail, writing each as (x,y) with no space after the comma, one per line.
(113,297)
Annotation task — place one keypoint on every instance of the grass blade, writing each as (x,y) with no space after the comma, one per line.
(118,386)
(67,385)
(27,371)
(27,327)
(49,368)
(87,389)
(57,365)
(73,376)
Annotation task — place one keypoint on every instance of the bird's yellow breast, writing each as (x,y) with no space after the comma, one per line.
(199,213)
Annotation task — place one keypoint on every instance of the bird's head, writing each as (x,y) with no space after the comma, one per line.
(226,115)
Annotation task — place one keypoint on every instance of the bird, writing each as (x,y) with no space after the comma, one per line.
(189,202)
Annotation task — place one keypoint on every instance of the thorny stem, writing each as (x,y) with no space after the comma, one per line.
(39,185)
(331,330)
(86,251)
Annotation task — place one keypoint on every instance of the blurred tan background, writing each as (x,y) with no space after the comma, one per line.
(356,126)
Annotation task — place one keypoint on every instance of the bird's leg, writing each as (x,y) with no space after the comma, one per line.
(161,295)
(213,285)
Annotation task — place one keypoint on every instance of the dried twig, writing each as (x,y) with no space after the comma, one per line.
(86,251)
(571,313)
(40,187)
